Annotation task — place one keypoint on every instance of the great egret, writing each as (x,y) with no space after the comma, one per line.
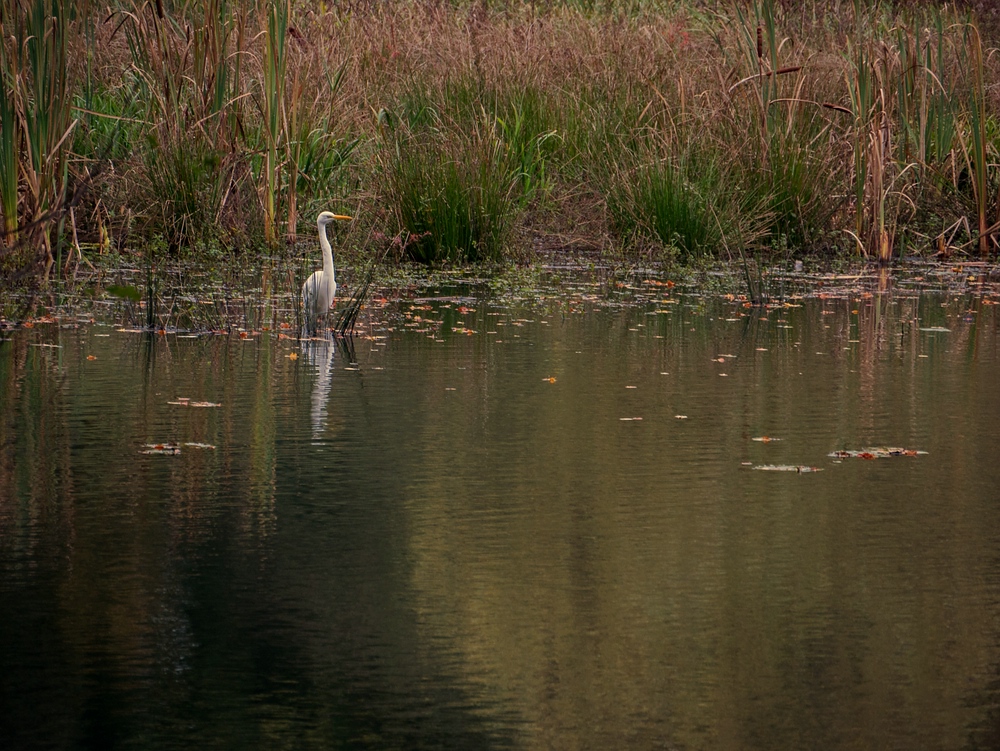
(320,289)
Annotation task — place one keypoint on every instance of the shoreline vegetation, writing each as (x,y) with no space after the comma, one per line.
(214,131)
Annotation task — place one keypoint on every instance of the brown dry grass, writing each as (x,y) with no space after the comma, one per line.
(621,88)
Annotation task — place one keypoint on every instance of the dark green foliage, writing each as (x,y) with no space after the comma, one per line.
(668,202)
(455,195)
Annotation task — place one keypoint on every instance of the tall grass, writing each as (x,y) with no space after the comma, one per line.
(742,128)
(36,120)
(976,146)
(454,193)
(10,143)
(672,202)
(187,81)
(274,114)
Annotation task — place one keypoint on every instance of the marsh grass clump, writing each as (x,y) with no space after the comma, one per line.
(455,193)
(36,124)
(673,203)
(186,184)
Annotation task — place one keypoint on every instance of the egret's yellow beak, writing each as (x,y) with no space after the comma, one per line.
(343,217)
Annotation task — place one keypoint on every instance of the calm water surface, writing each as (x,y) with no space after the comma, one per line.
(458,540)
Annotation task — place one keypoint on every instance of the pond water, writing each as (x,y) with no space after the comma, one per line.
(522,525)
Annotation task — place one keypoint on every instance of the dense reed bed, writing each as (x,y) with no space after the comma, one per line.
(483,131)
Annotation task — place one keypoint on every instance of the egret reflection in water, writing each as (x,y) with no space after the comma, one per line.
(319,353)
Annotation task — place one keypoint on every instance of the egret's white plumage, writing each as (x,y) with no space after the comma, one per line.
(320,289)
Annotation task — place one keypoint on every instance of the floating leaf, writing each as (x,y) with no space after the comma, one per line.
(550,379)
(880,452)
(200,445)
(629,419)
(183,401)
(765,439)
(787,468)
(161,448)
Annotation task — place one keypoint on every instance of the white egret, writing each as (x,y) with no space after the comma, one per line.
(320,289)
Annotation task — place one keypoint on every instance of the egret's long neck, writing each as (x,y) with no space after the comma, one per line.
(327,254)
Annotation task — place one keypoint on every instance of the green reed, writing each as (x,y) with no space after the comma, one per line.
(42,97)
(665,200)
(976,145)
(275,64)
(188,82)
(455,193)
(10,142)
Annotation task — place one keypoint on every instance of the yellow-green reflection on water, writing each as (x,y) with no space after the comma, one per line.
(468,540)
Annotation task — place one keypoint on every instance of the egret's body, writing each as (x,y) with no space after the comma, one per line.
(320,289)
